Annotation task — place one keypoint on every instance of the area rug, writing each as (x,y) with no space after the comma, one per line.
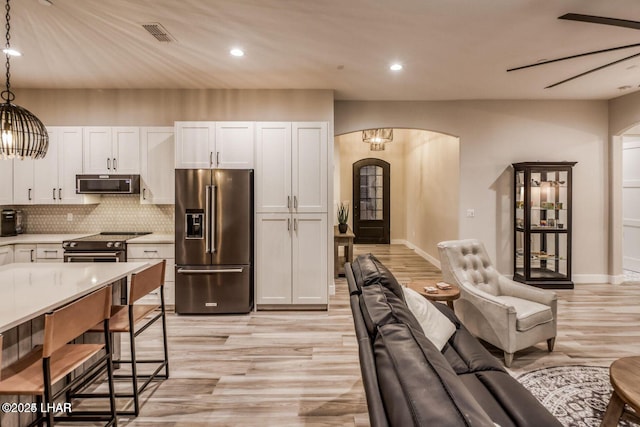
(576,395)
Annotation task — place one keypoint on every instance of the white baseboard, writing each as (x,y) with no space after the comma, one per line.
(423,254)
(596,278)
(616,280)
(332,288)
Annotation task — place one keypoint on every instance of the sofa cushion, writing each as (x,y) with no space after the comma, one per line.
(435,325)
(368,270)
(417,385)
(485,399)
(466,355)
(529,314)
(380,306)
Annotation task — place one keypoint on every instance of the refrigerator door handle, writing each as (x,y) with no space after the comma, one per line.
(213,219)
(206,271)
(207,219)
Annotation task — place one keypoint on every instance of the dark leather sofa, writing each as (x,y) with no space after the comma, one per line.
(409,382)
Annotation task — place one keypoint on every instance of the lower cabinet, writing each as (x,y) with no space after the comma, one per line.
(291,259)
(49,252)
(144,252)
(6,254)
(24,253)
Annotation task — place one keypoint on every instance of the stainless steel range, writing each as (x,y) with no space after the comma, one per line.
(103,247)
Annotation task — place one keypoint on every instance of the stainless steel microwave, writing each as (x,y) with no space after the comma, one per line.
(107,184)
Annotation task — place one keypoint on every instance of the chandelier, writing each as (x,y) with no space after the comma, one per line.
(21,133)
(377,138)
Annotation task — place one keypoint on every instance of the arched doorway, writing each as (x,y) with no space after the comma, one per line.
(371,208)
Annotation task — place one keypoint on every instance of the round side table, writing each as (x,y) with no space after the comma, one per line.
(625,377)
(446,295)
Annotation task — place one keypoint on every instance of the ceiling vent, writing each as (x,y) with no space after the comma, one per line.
(158,31)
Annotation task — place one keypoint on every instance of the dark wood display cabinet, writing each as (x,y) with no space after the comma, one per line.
(542,224)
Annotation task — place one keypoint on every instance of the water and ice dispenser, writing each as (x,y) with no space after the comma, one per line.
(194,224)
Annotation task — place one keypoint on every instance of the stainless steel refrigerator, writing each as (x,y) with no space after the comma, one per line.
(214,241)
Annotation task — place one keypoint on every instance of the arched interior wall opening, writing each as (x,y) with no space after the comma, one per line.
(425,173)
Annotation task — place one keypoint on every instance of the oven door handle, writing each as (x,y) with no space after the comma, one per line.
(93,255)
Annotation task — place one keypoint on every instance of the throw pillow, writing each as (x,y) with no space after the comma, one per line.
(437,328)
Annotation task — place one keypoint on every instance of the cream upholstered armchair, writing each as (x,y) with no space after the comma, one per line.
(510,315)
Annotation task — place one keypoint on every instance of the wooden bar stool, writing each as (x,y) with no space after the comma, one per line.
(135,319)
(55,360)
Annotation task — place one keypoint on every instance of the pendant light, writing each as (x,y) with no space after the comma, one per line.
(21,133)
(376,138)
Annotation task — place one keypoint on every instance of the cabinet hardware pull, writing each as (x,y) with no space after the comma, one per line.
(295,224)
(217,158)
(288,202)
(115,164)
(29,194)
(288,224)
(295,202)
(31,255)
(210,158)
(53,190)
(59,193)
(144,194)
(151,251)
(108,163)
(48,251)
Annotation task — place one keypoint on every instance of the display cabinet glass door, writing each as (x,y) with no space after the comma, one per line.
(542,221)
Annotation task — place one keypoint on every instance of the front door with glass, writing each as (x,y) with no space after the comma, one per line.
(371,186)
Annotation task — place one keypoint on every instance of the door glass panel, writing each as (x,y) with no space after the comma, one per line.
(371,193)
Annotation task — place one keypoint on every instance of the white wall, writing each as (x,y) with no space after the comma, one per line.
(494,134)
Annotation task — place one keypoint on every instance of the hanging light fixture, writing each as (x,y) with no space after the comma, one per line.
(21,133)
(377,138)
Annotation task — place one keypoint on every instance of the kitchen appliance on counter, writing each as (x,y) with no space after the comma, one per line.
(214,241)
(20,222)
(8,223)
(102,247)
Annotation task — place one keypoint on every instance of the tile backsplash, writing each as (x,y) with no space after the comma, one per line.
(112,213)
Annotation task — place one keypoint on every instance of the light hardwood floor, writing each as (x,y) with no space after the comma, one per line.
(301,368)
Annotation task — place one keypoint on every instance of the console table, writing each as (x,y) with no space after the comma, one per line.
(345,240)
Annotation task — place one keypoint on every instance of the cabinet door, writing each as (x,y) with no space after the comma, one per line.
(6,254)
(23,182)
(234,145)
(45,173)
(309,167)
(273,167)
(309,267)
(6,177)
(24,253)
(273,258)
(69,164)
(97,152)
(126,150)
(195,145)
(157,168)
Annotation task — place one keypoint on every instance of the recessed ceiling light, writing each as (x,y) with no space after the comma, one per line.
(395,67)
(11,52)
(45,2)
(236,52)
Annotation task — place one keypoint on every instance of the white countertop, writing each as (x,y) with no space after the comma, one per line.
(39,238)
(59,238)
(30,289)
(153,238)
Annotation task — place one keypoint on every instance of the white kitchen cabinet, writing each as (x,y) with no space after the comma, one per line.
(54,176)
(234,145)
(6,254)
(49,252)
(145,252)
(24,253)
(23,181)
(291,259)
(291,167)
(6,178)
(157,167)
(111,150)
(206,145)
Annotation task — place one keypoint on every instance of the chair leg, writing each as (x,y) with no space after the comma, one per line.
(166,348)
(112,391)
(134,370)
(48,401)
(550,343)
(508,358)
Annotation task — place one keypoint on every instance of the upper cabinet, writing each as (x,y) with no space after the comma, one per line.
(157,173)
(6,177)
(291,167)
(205,145)
(51,179)
(111,150)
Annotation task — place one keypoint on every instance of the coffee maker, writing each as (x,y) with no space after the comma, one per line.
(8,223)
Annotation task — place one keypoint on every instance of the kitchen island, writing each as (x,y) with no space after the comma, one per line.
(29,290)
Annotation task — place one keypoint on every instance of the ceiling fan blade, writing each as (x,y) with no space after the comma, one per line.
(601,20)
(574,56)
(592,70)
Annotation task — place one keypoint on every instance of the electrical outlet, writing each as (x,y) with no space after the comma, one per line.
(471,213)
(69,217)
